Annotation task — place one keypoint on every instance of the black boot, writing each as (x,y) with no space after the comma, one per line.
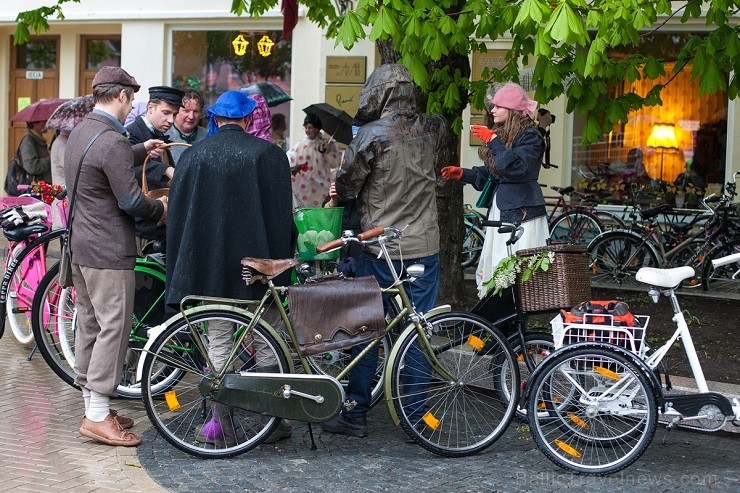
(352,427)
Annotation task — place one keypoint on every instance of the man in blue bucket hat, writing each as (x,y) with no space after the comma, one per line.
(230,198)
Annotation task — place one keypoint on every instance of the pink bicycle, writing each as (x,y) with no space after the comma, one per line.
(25,263)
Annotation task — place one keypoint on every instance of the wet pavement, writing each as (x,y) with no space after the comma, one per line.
(43,451)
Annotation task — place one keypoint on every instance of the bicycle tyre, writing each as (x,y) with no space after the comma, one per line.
(178,424)
(539,346)
(46,327)
(609,422)
(691,254)
(461,415)
(19,315)
(471,247)
(720,279)
(616,256)
(575,226)
(54,318)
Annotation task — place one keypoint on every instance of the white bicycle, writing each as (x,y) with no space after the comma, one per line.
(602,393)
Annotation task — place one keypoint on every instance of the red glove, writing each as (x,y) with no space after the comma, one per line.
(452,172)
(483,133)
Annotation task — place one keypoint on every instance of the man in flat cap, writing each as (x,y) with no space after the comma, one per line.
(161,110)
(103,247)
(230,198)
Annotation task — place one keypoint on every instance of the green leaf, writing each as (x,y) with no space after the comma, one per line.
(713,79)
(653,68)
(558,24)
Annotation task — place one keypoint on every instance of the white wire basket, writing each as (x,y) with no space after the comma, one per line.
(630,338)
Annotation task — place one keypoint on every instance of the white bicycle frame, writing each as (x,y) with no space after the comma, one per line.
(682,332)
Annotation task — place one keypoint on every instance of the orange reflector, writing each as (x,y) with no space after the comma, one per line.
(578,421)
(567,449)
(520,358)
(171,398)
(606,372)
(476,342)
(431,421)
(541,405)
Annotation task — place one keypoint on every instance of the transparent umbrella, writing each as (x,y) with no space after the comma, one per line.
(273,93)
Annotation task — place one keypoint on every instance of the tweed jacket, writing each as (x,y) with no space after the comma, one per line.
(107,197)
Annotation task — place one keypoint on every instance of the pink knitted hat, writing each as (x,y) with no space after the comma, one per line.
(513,97)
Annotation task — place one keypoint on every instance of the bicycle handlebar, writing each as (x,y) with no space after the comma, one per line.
(515,229)
(364,236)
(371,233)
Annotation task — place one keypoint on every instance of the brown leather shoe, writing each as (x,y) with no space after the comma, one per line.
(108,432)
(126,423)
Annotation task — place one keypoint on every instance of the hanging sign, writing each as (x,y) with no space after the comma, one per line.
(240,45)
(264,46)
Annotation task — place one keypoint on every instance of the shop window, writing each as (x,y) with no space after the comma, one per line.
(217,61)
(40,54)
(674,149)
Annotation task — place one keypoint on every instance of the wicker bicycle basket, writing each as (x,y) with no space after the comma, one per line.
(564,284)
(159,192)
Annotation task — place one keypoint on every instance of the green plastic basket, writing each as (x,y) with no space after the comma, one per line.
(316,227)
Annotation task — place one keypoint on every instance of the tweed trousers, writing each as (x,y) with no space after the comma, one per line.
(105,303)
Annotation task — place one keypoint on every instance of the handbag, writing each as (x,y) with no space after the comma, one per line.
(486,195)
(336,313)
(65,261)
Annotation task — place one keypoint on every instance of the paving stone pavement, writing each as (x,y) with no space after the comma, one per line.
(43,451)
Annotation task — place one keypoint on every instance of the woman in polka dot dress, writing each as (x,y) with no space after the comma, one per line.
(312,161)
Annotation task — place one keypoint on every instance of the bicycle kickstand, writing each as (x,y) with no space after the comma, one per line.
(310,433)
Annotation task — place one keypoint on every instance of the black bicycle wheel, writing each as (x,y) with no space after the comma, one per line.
(472,246)
(616,256)
(183,413)
(575,226)
(53,309)
(450,406)
(720,279)
(539,346)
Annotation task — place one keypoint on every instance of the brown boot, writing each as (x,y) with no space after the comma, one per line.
(108,432)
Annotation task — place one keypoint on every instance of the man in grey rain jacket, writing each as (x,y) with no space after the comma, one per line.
(389,168)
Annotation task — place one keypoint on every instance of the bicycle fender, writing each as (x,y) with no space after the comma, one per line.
(437,310)
(646,370)
(157,330)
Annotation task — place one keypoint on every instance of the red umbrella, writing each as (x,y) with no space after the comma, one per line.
(70,113)
(39,111)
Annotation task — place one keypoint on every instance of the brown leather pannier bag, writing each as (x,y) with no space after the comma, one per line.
(336,313)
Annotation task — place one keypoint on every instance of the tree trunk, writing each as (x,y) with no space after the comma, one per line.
(449,194)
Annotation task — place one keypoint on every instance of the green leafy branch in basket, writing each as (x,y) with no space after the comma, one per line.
(504,275)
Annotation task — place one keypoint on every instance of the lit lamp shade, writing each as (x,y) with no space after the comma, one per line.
(663,136)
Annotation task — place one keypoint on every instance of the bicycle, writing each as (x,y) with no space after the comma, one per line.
(506,312)
(615,256)
(25,265)
(473,238)
(54,321)
(602,394)
(461,413)
(578,224)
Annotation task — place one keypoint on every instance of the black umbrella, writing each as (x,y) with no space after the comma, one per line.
(334,121)
(273,93)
